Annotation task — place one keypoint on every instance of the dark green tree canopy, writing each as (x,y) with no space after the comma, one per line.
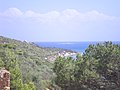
(97,69)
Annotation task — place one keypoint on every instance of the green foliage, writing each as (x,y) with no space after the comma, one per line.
(26,63)
(10,62)
(64,69)
(108,57)
(28,86)
(1,63)
(97,69)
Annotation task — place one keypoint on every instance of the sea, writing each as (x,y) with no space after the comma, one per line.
(74,46)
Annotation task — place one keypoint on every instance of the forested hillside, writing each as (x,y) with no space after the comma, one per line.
(26,63)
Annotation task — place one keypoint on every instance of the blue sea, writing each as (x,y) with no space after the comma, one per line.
(74,46)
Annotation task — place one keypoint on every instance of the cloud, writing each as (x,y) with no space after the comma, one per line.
(65,16)
(95,15)
(12,12)
(66,25)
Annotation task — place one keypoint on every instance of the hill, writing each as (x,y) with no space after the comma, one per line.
(31,59)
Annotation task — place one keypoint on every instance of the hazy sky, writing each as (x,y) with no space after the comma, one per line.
(60,20)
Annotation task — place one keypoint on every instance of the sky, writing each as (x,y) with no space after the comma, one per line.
(60,20)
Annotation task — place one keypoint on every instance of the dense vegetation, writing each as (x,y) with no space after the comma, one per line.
(9,60)
(97,69)
(26,63)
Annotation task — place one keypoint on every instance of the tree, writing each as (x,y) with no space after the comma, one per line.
(8,59)
(64,69)
(108,57)
(74,74)
(97,69)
